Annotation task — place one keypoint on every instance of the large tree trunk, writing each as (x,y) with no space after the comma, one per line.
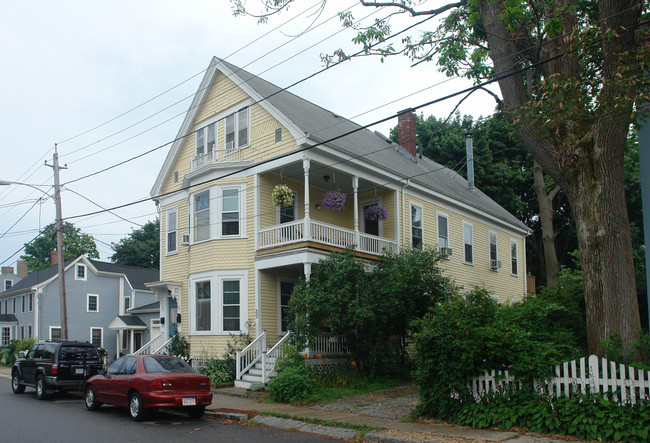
(590,170)
(545,201)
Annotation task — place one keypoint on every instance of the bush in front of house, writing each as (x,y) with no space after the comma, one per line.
(218,371)
(293,382)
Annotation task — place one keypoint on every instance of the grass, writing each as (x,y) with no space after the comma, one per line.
(332,387)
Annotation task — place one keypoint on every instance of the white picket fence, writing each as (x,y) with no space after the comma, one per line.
(625,384)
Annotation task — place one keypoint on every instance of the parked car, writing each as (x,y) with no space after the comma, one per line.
(143,382)
(55,365)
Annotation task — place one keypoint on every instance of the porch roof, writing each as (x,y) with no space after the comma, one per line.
(8,318)
(122,322)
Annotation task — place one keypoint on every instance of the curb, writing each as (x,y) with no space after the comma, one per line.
(379,437)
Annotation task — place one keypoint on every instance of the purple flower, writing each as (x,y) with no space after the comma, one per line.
(334,199)
(375,212)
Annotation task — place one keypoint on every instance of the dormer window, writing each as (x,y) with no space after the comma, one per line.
(237,126)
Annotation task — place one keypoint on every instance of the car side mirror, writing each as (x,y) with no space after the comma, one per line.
(21,354)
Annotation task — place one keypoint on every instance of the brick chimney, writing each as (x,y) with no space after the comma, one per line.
(54,257)
(7,270)
(21,268)
(406,131)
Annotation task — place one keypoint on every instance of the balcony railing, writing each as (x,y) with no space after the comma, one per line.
(294,232)
(218,156)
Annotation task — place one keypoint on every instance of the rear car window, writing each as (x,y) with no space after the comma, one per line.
(165,364)
(78,353)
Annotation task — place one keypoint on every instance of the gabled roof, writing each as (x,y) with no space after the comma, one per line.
(8,318)
(127,322)
(151,307)
(308,121)
(136,276)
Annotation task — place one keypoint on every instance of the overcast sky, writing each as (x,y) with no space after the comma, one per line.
(72,69)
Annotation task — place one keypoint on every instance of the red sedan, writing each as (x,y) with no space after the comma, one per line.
(142,382)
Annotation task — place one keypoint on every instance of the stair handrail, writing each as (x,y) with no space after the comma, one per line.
(251,354)
(147,345)
(270,359)
(164,346)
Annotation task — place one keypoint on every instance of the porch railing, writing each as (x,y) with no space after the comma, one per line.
(250,355)
(218,156)
(154,343)
(328,346)
(293,232)
(163,348)
(270,359)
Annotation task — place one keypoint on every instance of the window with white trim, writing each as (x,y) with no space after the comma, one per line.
(127,303)
(201,223)
(14,300)
(443,231)
(237,129)
(92,303)
(285,292)
(290,213)
(171,227)
(514,262)
(416,226)
(6,336)
(96,336)
(494,257)
(22,302)
(30,302)
(8,284)
(218,302)
(230,204)
(22,332)
(468,243)
(80,272)
(55,332)
(29,331)
(206,139)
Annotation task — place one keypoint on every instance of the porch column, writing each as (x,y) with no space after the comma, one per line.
(306,229)
(163,312)
(307,270)
(131,339)
(119,344)
(355,188)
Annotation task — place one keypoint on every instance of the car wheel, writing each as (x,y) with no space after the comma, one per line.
(196,412)
(15,383)
(136,408)
(41,392)
(91,400)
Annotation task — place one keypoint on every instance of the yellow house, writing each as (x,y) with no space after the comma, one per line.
(230,257)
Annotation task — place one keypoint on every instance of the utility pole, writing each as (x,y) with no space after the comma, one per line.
(59,243)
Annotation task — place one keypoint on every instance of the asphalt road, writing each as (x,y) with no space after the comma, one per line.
(64,418)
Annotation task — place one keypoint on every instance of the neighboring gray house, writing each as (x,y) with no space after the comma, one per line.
(99,298)
(9,279)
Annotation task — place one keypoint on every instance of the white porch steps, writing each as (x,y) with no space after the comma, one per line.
(254,375)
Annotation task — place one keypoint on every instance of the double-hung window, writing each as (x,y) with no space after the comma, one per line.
(230,203)
(494,258)
(231,297)
(30,302)
(416,226)
(93,303)
(237,129)
(514,265)
(8,284)
(202,216)
(206,139)
(443,231)
(96,336)
(80,272)
(172,230)
(468,243)
(203,309)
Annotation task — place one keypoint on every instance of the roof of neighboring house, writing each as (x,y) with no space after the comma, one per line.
(320,125)
(127,322)
(137,276)
(155,306)
(8,318)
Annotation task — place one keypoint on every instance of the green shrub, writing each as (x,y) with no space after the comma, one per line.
(291,385)
(10,352)
(218,372)
(179,347)
(585,416)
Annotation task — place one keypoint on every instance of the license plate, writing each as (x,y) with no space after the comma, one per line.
(189,401)
(79,371)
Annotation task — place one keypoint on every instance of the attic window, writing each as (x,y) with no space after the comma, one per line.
(80,272)
(176,177)
(278,135)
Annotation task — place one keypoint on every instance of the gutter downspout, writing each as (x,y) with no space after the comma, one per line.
(408,183)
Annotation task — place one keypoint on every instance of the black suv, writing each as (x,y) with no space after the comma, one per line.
(55,365)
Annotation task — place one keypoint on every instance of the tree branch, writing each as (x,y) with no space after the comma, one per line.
(412,11)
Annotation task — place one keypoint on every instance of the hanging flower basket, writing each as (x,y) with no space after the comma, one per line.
(334,199)
(282,196)
(375,212)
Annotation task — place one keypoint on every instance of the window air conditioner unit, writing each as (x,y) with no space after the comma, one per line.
(230,146)
(446,252)
(495,264)
(185,239)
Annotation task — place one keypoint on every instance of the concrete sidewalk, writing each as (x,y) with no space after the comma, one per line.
(229,400)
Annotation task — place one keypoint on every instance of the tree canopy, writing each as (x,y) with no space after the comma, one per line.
(141,248)
(570,76)
(75,243)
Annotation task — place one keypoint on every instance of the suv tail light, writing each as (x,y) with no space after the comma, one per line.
(162,383)
(55,369)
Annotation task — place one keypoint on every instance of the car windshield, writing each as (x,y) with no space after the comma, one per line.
(165,364)
(78,353)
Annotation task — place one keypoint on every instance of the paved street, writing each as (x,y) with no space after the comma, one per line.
(65,418)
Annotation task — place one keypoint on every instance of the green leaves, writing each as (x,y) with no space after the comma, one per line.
(141,248)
